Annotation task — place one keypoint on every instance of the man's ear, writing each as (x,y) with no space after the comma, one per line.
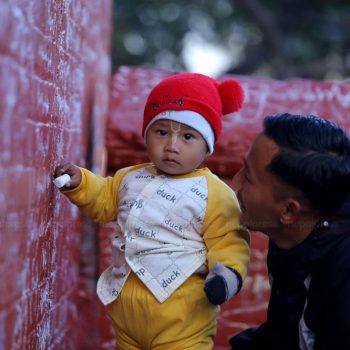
(290,212)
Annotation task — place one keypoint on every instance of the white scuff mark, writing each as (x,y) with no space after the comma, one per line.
(40,186)
(301,90)
(45,57)
(108,344)
(90,55)
(3,204)
(22,277)
(63,70)
(60,146)
(33,232)
(234,324)
(62,104)
(43,103)
(13,222)
(44,228)
(21,307)
(258,284)
(104,66)
(53,125)
(17,12)
(259,254)
(2,329)
(6,119)
(19,327)
(45,302)
(61,39)
(69,35)
(244,310)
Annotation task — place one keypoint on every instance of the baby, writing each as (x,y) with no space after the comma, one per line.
(179,250)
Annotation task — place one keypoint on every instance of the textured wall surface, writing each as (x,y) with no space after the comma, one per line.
(54,82)
(130,87)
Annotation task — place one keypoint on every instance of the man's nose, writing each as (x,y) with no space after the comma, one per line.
(237,180)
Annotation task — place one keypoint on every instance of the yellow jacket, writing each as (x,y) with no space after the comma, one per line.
(168,227)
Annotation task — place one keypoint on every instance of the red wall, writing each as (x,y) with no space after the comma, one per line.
(54,82)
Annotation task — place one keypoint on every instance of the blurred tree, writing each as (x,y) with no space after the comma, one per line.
(277,38)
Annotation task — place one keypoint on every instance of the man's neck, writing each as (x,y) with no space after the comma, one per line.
(289,236)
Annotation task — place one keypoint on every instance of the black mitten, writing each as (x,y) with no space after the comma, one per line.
(221,284)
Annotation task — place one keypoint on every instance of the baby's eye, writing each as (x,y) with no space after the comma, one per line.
(161,132)
(188,136)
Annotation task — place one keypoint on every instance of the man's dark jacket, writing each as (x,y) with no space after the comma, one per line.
(310,293)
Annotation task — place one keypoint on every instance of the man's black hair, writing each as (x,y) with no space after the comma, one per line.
(314,157)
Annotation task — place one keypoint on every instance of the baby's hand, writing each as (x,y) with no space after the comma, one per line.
(221,284)
(73,171)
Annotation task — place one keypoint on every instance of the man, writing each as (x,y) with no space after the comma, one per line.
(294,187)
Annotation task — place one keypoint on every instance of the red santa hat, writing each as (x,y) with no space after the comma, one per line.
(196,100)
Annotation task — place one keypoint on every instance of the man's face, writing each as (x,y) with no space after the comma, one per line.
(257,189)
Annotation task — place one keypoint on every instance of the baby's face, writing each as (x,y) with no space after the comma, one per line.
(175,148)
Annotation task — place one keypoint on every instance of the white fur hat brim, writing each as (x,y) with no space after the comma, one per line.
(189,118)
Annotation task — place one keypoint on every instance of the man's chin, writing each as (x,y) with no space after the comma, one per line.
(253,225)
(247,226)
(243,220)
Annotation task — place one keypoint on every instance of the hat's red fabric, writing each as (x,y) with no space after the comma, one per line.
(198,93)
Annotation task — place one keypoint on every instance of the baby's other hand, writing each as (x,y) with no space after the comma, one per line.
(73,171)
(221,284)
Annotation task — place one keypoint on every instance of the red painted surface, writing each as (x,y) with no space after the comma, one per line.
(54,81)
(130,87)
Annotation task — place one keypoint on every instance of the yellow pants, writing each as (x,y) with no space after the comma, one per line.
(184,321)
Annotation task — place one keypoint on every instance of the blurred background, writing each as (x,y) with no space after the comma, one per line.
(275,38)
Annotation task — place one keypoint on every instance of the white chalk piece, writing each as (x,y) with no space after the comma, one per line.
(61,180)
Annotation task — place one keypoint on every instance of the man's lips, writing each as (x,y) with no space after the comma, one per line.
(239,197)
